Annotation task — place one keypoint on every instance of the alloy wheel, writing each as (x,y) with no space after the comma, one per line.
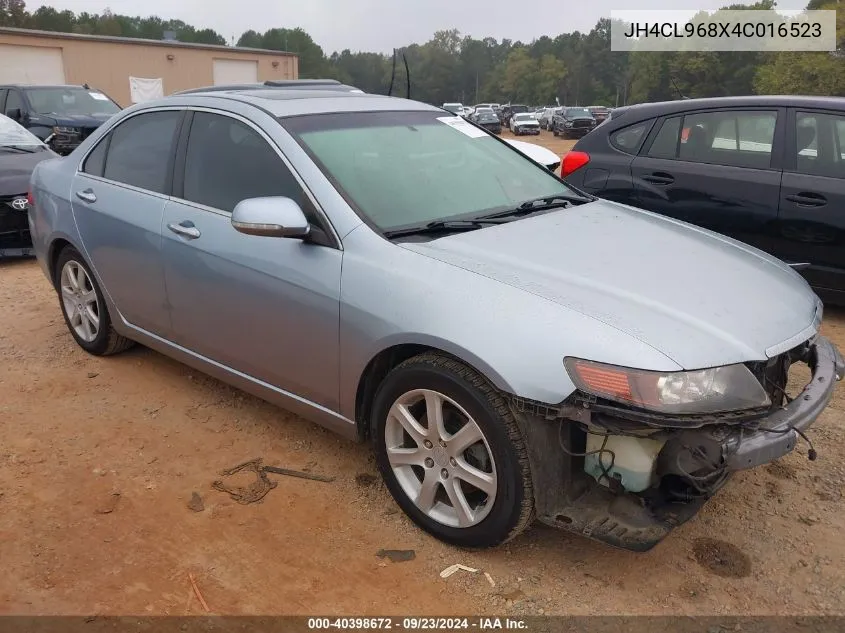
(80,302)
(440,458)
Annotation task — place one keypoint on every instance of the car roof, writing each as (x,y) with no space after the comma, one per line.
(285,102)
(648,110)
(285,84)
(24,86)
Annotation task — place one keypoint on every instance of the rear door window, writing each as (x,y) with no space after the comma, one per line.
(96,160)
(820,144)
(738,138)
(665,144)
(141,151)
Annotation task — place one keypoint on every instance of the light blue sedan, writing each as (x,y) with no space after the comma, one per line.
(513,348)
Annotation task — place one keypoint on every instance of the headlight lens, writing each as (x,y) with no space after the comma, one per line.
(714,390)
(70,131)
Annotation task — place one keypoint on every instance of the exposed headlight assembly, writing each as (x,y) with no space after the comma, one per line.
(68,131)
(714,390)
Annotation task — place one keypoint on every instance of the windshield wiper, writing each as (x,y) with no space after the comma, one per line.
(559,201)
(26,149)
(443,226)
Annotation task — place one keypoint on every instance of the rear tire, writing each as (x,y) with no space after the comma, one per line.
(464,478)
(84,308)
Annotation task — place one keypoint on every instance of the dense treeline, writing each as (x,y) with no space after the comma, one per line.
(576,68)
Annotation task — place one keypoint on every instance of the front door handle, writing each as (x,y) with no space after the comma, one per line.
(659,178)
(808,199)
(185,228)
(87,195)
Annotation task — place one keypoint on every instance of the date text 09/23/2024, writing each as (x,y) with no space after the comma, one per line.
(418,623)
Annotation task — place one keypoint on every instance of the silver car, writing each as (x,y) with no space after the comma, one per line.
(512,347)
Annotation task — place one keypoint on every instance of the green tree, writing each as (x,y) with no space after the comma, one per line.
(805,72)
(13,13)
(519,76)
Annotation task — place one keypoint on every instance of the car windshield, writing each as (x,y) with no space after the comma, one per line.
(488,115)
(454,108)
(519,108)
(70,100)
(578,112)
(523,117)
(406,169)
(14,135)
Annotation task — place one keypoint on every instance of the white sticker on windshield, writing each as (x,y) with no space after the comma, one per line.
(99,96)
(462,125)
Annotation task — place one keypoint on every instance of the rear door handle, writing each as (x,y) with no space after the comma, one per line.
(659,178)
(87,195)
(807,199)
(185,228)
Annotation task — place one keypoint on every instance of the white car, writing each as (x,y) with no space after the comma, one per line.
(537,153)
(524,123)
(455,108)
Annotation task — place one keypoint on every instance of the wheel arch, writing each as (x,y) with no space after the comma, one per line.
(384,361)
(55,249)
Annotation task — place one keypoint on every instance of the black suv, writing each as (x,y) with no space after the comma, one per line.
(767,171)
(61,116)
(509,110)
(569,122)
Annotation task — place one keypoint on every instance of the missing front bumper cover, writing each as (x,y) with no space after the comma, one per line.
(709,451)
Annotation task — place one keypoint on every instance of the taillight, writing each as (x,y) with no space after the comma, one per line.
(573,161)
(29,199)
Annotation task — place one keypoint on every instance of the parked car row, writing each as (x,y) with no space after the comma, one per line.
(395,248)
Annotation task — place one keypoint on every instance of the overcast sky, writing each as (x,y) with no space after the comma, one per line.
(381,25)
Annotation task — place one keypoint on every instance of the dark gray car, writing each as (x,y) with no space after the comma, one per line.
(20,152)
(765,170)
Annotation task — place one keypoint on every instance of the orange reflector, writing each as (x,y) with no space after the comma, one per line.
(607,381)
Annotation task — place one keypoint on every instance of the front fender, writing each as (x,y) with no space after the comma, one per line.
(393,296)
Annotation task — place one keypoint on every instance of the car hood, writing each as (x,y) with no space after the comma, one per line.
(16,168)
(536,153)
(699,298)
(71,120)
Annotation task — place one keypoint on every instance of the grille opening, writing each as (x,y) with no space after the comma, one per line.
(785,374)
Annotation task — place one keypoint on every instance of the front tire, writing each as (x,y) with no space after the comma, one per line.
(84,307)
(451,454)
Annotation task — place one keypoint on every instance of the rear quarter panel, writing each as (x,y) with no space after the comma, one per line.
(51,217)
(608,174)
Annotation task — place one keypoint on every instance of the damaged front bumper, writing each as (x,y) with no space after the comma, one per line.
(15,238)
(778,433)
(693,461)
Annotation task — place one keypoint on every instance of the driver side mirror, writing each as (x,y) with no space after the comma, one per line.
(270,217)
